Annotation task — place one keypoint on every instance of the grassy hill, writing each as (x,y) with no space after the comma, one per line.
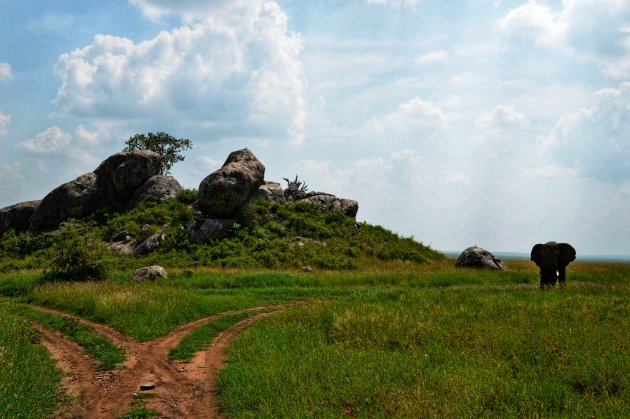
(264,234)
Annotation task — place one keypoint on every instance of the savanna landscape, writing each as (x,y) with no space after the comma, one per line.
(379,326)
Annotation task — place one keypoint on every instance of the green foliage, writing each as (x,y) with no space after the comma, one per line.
(188,196)
(28,377)
(140,413)
(22,244)
(98,347)
(167,146)
(78,253)
(201,338)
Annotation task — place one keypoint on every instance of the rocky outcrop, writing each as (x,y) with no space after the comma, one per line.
(151,244)
(328,202)
(149,273)
(477,257)
(122,173)
(271,191)
(158,189)
(75,199)
(17,217)
(203,229)
(115,179)
(224,192)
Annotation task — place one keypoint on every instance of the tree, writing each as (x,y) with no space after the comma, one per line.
(167,146)
(78,253)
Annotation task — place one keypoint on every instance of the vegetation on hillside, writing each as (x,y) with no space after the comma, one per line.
(264,234)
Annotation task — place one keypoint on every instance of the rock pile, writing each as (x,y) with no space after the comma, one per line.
(130,178)
(127,178)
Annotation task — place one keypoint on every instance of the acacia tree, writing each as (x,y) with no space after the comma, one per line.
(167,146)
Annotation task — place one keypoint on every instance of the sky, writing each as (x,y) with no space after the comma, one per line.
(499,123)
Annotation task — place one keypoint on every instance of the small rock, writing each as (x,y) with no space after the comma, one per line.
(149,272)
(307,269)
(147,386)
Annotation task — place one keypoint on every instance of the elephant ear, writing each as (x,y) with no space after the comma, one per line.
(567,253)
(537,253)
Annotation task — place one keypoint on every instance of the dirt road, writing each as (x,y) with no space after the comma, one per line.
(181,390)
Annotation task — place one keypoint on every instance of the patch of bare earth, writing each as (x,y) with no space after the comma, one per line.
(180,390)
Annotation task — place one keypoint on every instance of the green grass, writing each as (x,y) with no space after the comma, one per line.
(96,346)
(491,351)
(394,340)
(28,377)
(201,338)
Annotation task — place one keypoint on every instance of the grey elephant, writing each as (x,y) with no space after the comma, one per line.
(552,258)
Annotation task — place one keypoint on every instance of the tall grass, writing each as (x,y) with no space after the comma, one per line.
(479,351)
(28,377)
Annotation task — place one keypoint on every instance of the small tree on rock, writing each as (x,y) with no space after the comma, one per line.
(296,189)
(167,146)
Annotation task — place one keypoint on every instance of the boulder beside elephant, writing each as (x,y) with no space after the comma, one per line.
(552,258)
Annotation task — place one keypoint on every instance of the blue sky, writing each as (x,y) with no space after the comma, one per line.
(493,123)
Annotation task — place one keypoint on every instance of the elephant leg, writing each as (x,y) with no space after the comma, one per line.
(562,276)
(547,279)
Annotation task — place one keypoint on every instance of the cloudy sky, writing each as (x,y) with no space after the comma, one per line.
(475,122)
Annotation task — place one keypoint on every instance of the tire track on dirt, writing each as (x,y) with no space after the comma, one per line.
(181,390)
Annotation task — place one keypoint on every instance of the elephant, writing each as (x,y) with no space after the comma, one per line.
(552,258)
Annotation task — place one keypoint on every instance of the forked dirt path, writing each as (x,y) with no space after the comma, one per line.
(182,390)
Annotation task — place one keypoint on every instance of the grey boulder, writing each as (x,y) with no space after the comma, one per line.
(157,188)
(328,202)
(477,257)
(75,199)
(17,217)
(151,244)
(224,192)
(271,191)
(150,272)
(203,229)
(122,173)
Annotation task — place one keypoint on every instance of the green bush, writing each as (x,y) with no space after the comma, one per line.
(78,253)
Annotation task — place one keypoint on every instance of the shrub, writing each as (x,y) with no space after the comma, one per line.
(78,253)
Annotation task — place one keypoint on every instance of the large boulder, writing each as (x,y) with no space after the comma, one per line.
(271,191)
(158,189)
(477,257)
(122,173)
(115,179)
(224,192)
(328,202)
(17,217)
(75,199)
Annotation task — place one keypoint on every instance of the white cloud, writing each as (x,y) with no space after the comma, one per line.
(5,120)
(594,140)
(406,4)
(432,57)
(234,70)
(596,31)
(537,21)
(83,136)
(501,117)
(5,72)
(549,171)
(52,140)
(456,177)
(406,155)
(408,117)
